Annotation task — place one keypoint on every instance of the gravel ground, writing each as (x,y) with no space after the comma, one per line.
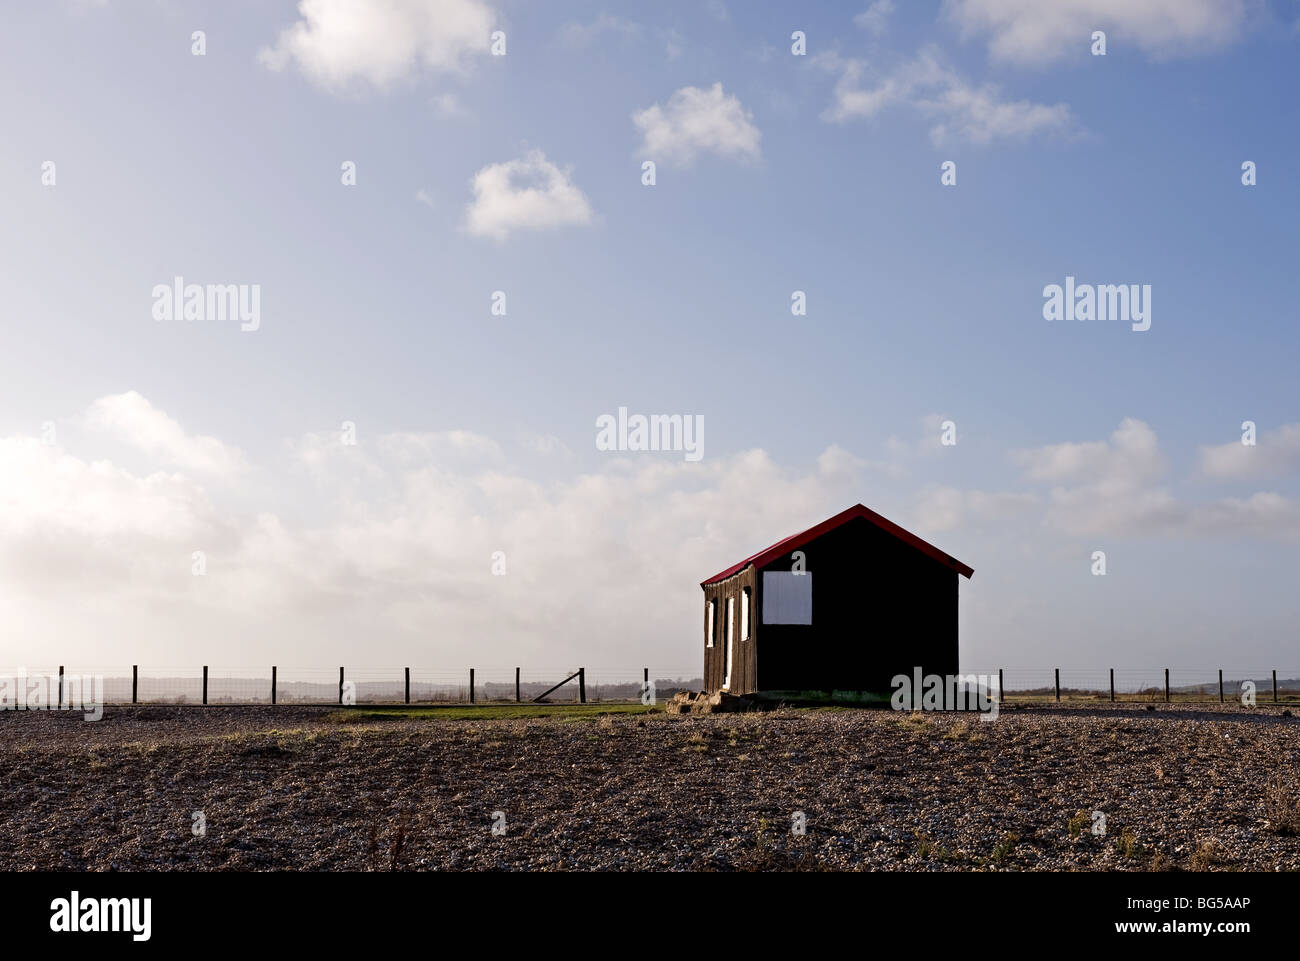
(292,788)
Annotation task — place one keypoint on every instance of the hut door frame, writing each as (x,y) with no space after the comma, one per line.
(729,625)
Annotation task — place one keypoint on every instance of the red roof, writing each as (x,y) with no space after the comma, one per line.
(795,541)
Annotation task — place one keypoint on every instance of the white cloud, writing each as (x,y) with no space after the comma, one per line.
(395,564)
(131,418)
(695,121)
(386,557)
(927,442)
(1134,511)
(1126,510)
(875,19)
(1263,514)
(950,508)
(1275,452)
(454,446)
(530,193)
(1112,487)
(835,461)
(853,100)
(1038,32)
(1106,487)
(1131,456)
(962,111)
(674,43)
(49,495)
(341,44)
(448,105)
(979,115)
(545,445)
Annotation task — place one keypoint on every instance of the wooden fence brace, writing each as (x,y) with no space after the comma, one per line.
(1166,685)
(408,685)
(272,683)
(544,694)
(135,681)
(471,685)
(1220,685)
(582,684)
(205,684)
(60,704)
(516,685)
(1112,685)
(1001,690)
(1058,683)
(1275,686)
(340,685)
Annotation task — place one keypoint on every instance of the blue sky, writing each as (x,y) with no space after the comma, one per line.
(818,173)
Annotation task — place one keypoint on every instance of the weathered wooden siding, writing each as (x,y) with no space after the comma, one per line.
(744,668)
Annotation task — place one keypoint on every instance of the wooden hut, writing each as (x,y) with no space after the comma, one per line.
(843,606)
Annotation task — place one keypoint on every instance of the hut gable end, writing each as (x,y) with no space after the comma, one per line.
(866,601)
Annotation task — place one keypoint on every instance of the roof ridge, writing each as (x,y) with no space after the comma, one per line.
(769,554)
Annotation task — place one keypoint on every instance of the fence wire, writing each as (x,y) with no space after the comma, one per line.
(1147,683)
(294,685)
(399,685)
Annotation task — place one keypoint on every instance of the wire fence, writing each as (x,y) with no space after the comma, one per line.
(305,686)
(213,685)
(1148,684)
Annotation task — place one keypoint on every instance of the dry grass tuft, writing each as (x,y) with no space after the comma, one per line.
(1207,857)
(1282,807)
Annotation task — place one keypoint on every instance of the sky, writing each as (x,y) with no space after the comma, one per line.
(461,262)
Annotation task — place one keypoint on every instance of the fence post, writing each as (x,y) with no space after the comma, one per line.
(1220,685)
(1275,686)
(1112,685)
(1166,685)
(408,685)
(471,685)
(60,687)
(135,681)
(340,685)
(1058,684)
(1001,690)
(272,683)
(582,684)
(516,685)
(205,684)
